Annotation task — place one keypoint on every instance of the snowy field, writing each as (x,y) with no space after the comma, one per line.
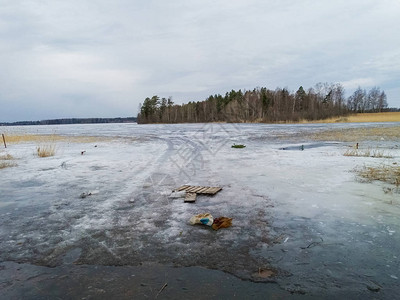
(302,216)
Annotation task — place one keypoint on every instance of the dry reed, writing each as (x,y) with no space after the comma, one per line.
(6,164)
(6,161)
(386,173)
(46,150)
(6,157)
(367,153)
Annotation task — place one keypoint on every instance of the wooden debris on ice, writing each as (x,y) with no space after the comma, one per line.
(192,191)
(190,197)
(199,189)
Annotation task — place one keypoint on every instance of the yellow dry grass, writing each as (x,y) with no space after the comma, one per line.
(53,138)
(359,134)
(46,150)
(375,117)
(362,118)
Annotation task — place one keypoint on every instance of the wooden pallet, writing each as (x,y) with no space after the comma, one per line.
(199,189)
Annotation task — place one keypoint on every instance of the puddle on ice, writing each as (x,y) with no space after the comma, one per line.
(300,218)
(302,147)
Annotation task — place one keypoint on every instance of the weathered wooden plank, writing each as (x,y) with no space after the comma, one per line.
(203,188)
(217,189)
(190,197)
(213,190)
(210,190)
(197,189)
(191,189)
(183,187)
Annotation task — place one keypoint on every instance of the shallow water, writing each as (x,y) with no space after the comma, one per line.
(303,214)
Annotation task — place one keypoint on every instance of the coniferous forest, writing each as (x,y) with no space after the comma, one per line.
(265,106)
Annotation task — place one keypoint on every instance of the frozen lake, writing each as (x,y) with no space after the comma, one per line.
(302,215)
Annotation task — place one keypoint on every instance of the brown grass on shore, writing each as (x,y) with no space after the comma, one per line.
(51,138)
(362,118)
(359,134)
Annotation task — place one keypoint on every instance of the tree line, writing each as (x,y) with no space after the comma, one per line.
(374,100)
(325,100)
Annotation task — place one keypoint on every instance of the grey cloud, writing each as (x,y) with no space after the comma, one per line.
(111,55)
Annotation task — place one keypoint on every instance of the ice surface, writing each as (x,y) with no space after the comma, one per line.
(304,213)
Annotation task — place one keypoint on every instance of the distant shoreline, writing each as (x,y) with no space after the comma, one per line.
(71,121)
(352,118)
(378,117)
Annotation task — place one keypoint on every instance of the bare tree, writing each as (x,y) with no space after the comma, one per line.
(382,102)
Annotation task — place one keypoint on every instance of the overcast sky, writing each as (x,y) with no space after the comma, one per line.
(101,58)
